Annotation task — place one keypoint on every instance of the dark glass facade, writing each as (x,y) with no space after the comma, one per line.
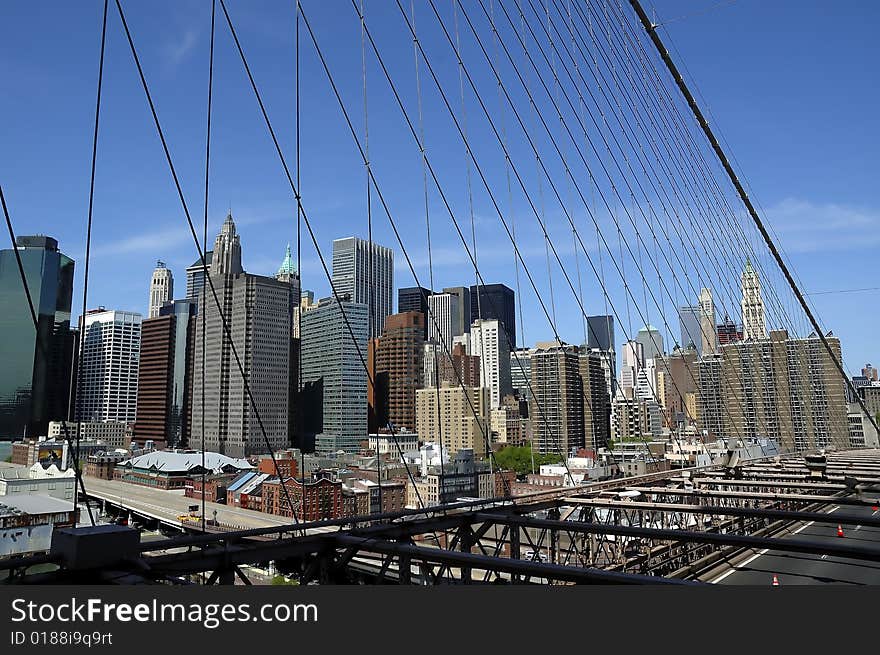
(414,299)
(600,332)
(496,301)
(35,379)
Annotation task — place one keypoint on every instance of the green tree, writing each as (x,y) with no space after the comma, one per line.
(281,580)
(519,459)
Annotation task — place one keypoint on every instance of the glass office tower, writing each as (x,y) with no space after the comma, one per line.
(35,374)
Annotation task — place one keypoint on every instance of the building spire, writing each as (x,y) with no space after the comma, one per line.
(226,259)
(287,270)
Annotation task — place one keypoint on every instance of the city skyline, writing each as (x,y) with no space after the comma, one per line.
(448,276)
(803,196)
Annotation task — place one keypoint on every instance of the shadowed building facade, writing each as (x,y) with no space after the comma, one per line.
(258,311)
(164,376)
(399,370)
(34,381)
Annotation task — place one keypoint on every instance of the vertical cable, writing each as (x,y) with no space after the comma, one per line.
(205,240)
(436,361)
(89,242)
(470,197)
(298,198)
(371,314)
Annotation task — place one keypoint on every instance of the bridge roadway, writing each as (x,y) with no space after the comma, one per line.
(166,506)
(807,569)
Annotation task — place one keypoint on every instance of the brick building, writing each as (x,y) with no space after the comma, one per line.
(397,358)
(313,500)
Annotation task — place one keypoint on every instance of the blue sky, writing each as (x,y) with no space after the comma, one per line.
(790,85)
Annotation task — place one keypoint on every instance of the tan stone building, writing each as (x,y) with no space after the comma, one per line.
(786,389)
(507,426)
(462,418)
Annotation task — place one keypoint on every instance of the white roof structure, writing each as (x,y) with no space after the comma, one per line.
(168,461)
(33,504)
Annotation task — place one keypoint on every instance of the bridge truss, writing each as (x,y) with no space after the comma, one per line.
(662,528)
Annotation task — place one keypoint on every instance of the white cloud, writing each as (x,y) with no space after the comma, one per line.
(807,227)
(177,51)
(155,241)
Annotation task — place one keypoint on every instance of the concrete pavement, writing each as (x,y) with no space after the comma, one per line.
(168,505)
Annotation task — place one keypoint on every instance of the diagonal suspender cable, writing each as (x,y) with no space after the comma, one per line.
(470,198)
(617,114)
(483,180)
(491,123)
(41,346)
(435,359)
(298,198)
(759,224)
(613,188)
(669,176)
(427,161)
(226,330)
(714,186)
(371,312)
(721,222)
(294,190)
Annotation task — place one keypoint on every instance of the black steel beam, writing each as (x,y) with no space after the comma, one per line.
(581,575)
(710,493)
(715,510)
(741,541)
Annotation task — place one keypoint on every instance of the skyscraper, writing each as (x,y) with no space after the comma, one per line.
(399,370)
(677,375)
(161,288)
(258,313)
(495,301)
(689,324)
(600,332)
(596,401)
(652,342)
(444,314)
(108,376)
(754,322)
(464,314)
(414,299)
(457,368)
(334,381)
(632,361)
(164,376)
(488,342)
(521,371)
(34,380)
(357,266)
(728,332)
(458,417)
(556,408)
(195,277)
(226,257)
(708,336)
(783,388)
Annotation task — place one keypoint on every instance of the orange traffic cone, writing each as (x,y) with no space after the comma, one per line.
(775,581)
(840,530)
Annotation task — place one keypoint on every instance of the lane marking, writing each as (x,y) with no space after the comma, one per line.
(736,568)
(751,559)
